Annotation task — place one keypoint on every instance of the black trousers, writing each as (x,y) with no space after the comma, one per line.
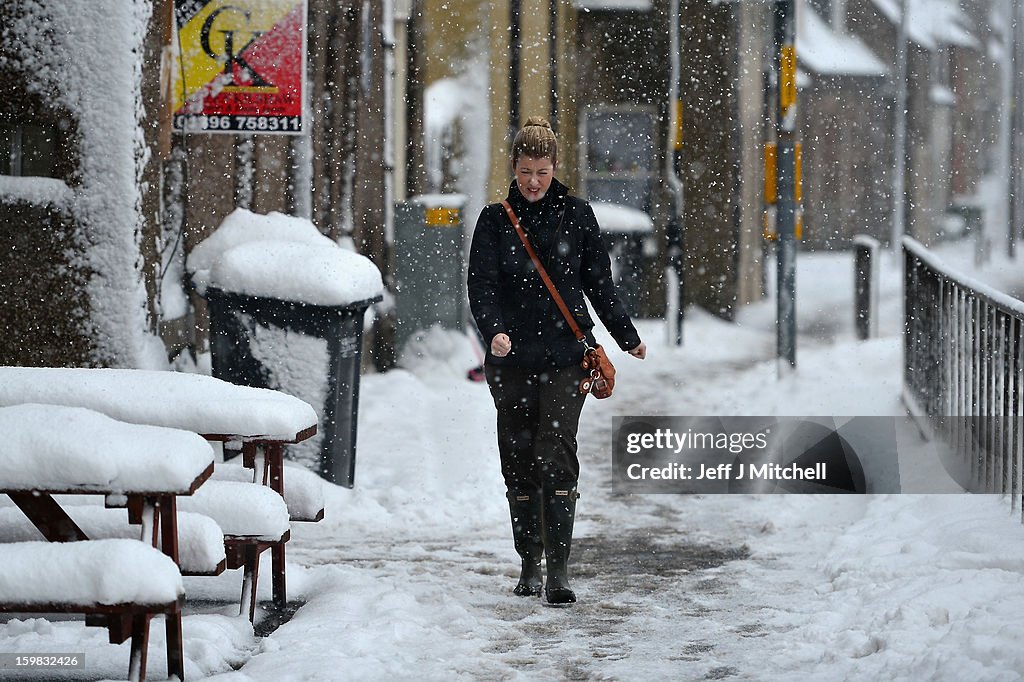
(538,418)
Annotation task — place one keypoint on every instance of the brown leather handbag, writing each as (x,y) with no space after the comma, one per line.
(600,380)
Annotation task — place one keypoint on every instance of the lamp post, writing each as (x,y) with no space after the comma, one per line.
(785,128)
(1013,63)
(899,190)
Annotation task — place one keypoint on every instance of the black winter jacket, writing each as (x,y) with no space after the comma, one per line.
(506,294)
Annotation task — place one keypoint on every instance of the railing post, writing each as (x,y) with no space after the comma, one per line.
(865,286)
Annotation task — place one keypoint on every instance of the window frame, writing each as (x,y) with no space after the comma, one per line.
(12,159)
(646,175)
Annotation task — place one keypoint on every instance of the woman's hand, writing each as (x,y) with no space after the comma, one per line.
(640,352)
(500,345)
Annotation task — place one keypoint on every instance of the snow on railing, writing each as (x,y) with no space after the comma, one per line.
(964,369)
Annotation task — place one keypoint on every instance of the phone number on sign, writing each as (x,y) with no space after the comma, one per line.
(41,661)
(255,124)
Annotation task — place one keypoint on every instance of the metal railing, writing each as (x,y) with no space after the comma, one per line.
(964,369)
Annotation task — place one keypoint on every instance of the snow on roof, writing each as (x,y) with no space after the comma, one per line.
(88,573)
(280,256)
(825,51)
(71,448)
(192,402)
(619,218)
(641,5)
(932,23)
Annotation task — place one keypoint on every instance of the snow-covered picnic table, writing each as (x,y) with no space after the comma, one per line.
(118,583)
(259,421)
(213,408)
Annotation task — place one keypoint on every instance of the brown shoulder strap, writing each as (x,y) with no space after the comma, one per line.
(580,336)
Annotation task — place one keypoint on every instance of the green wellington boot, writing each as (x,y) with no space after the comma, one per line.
(559,514)
(525,508)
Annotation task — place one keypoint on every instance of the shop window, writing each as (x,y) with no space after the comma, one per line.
(618,155)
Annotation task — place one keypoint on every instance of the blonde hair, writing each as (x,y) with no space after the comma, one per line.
(537,140)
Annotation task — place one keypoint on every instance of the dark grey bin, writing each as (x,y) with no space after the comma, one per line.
(233,321)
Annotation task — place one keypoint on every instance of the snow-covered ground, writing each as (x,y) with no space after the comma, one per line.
(409,576)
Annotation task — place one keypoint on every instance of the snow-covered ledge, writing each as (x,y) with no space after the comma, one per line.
(35,191)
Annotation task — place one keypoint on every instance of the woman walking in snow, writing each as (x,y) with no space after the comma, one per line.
(533,361)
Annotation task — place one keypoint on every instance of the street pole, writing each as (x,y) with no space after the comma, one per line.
(1014,61)
(785,125)
(673,154)
(899,190)
(515,45)
(553,61)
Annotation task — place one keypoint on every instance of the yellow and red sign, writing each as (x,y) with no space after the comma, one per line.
(241,66)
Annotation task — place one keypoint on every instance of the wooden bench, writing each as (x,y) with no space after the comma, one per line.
(259,421)
(50,451)
(304,495)
(227,524)
(200,539)
(120,584)
(254,519)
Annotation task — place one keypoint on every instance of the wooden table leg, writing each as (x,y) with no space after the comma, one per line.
(250,578)
(175,645)
(140,643)
(46,515)
(168,506)
(274,455)
(167,511)
(278,582)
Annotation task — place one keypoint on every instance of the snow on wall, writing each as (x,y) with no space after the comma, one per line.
(85,56)
(464,99)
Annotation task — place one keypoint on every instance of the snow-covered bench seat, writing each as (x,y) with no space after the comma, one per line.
(304,495)
(253,517)
(200,539)
(119,584)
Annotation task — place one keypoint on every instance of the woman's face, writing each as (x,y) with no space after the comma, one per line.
(533,176)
